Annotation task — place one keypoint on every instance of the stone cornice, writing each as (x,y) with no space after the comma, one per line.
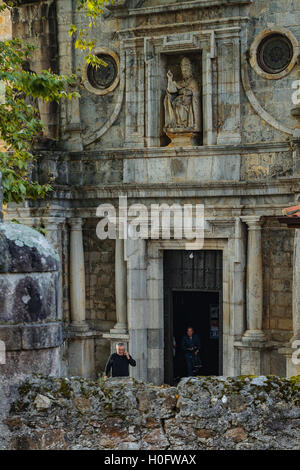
(283,187)
(165,152)
(196,4)
(146,30)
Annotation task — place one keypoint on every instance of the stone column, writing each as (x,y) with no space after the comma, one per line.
(120,289)
(253,343)
(81,338)
(77,276)
(254,281)
(296,288)
(119,333)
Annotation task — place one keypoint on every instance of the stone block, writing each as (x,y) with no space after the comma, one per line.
(42,336)
(11,335)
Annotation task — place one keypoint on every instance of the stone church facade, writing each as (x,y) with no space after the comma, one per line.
(233,149)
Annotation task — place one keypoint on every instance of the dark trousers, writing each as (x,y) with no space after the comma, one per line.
(189,364)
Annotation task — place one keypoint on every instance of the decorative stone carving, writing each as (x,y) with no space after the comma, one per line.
(182,107)
(295,112)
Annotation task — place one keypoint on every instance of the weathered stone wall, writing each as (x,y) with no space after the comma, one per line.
(278,280)
(36,23)
(201,413)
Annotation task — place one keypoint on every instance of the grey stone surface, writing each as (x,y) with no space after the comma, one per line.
(27,298)
(23,249)
(42,336)
(201,413)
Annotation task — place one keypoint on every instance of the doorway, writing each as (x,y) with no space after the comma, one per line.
(192,297)
(201,311)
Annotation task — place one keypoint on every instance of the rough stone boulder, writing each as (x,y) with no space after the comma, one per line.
(30,327)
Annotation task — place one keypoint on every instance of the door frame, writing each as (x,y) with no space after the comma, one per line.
(169,320)
(145,263)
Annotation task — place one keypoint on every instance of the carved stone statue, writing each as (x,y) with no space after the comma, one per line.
(182,106)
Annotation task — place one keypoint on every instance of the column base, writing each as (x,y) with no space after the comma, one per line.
(116,337)
(80,327)
(119,329)
(253,336)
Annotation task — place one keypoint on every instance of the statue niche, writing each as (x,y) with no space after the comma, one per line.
(182,107)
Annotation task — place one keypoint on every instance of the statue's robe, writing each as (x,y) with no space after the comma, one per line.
(182,105)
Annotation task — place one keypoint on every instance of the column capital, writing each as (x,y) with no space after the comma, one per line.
(75,223)
(254,222)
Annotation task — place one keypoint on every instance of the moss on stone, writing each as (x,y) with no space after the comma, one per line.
(24,389)
(65,389)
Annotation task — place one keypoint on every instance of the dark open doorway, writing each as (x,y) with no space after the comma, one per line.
(201,311)
(193,295)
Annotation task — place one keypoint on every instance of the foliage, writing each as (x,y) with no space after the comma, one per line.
(20,123)
(19,118)
(92,9)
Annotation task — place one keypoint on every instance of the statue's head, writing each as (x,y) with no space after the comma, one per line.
(186,67)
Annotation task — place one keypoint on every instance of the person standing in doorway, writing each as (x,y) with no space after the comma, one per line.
(191,347)
(119,362)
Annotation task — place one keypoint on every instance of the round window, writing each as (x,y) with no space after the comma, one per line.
(275,53)
(103,77)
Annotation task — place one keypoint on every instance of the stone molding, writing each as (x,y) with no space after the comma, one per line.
(253,222)
(88,85)
(196,4)
(91,138)
(32,336)
(76,223)
(264,115)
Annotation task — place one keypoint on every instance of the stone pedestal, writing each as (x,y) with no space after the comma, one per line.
(115,338)
(181,137)
(251,358)
(82,354)
(292,357)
